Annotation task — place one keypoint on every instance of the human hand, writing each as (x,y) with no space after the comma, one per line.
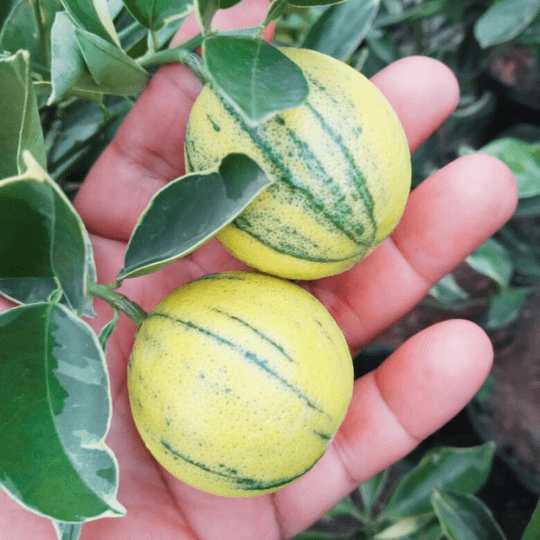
(419,388)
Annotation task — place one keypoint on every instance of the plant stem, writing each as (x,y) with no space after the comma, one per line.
(43,35)
(155,42)
(178,55)
(119,301)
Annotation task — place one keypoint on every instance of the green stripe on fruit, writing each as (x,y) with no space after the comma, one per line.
(260,334)
(231,475)
(283,175)
(250,356)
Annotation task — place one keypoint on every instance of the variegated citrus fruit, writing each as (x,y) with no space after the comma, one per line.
(340,164)
(238,382)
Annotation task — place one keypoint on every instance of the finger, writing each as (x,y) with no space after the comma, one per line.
(422,91)
(446,218)
(413,393)
(148,148)
(5,304)
(21,523)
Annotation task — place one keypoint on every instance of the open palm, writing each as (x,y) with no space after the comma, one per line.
(420,387)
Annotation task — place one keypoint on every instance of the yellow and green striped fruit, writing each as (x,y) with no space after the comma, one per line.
(340,165)
(238,382)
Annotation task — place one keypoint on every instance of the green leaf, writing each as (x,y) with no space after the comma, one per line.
(67,531)
(461,469)
(382,51)
(531,34)
(155,14)
(48,10)
(226,4)
(165,34)
(371,489)
(42,236)
(275,11)
(108,329)
(134,39)
(523,159)
(345,507)
(493,260)
(68,68)
(116,7)
(505,307)
(313,3)
(26,219)
(504,21)
(485,390)
(465,517)
(56,409)
(447,291)
(21,32)
(20,125)
(523,250)
(339,31)
(28,290)
(532,531)
(418,11)
(190,210)
(255,76)
(528,207)
(94,17)
(413,528)
(206,9)
(5,9)
(82,134)
(111,68)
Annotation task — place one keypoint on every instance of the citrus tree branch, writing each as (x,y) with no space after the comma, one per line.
(119,301)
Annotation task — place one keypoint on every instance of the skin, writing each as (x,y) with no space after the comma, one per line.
(415,391)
